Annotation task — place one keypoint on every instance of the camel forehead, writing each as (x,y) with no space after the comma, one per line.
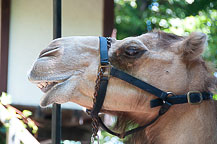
(87,40)
(153,41)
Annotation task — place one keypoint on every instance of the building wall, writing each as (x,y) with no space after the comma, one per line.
(31,31)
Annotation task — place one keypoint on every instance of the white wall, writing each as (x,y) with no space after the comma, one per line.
(31,31)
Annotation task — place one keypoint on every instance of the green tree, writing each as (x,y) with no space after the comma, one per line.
(134,17)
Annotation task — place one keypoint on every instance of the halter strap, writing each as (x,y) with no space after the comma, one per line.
(101,97)
(192,97)
(138,83)
(103,51)
(104,80)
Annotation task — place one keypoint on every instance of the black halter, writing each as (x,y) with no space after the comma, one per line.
(192,97)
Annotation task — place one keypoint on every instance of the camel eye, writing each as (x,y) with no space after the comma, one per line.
(133,52)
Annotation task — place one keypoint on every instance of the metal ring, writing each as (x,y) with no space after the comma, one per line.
(170,94)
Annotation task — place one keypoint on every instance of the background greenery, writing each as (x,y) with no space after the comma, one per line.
(134,17)
(181,17)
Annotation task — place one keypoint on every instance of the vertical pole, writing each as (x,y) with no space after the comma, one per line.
(4,43)
(56,110)
(56,19)
(108,18)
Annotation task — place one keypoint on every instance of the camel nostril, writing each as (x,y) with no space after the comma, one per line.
(51,51)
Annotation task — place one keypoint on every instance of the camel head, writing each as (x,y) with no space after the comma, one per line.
(66,70)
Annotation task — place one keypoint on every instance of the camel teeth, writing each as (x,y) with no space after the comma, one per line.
(44,84)
(49,83)
(39,86)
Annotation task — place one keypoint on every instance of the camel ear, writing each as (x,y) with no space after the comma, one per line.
(193,45)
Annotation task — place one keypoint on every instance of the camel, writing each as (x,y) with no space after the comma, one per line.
(67,69)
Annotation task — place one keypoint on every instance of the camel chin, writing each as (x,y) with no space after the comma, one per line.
(60,92)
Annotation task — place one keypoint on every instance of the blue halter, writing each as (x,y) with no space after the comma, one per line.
(165,99)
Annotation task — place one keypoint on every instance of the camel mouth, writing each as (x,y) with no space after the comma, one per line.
(46,86)
(56,91)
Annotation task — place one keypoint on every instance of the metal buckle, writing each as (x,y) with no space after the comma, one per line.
(107,69)
(189,97)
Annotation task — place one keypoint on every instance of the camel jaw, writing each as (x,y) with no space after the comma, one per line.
(56,91)
(48,98)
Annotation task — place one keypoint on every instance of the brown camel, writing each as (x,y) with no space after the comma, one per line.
(66,71)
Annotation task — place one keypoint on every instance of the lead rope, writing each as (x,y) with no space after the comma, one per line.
(95,123)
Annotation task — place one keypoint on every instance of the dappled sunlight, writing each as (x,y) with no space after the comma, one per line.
(173,16)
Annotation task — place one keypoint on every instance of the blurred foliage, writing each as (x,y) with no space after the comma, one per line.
(215,96)
(106,138)
(24,116)
(134,17)
(2,134)
(5,99)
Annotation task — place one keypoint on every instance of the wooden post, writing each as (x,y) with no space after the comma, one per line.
(108,18)
(4,43)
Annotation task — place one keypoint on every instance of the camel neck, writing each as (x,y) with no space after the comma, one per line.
(186,124)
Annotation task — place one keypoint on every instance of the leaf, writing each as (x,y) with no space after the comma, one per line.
(31,124)
(34,129)
(27,113)
(215,96)
(5,98)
